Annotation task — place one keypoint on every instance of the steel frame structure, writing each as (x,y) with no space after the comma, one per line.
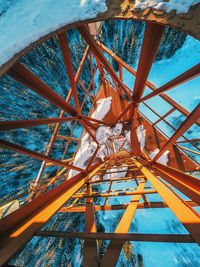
(20,226)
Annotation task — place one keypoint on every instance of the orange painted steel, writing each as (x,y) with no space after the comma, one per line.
(90,254)
(188,217)
(85,90)
(92,125)
(177,106)
(97,51)
(17,228)
(122,63)
(116,194)
(86,126)
(68,138)
(36,155)
(191,119)
(148,83)
(30,218)
(162,118)
(182,78)
(172,238)
(113,251)
(101,72)
(54,135)
(151,41)
(8,125)
(62,38)
(135,145)
(187,184)
(143,205)
(157,138)
(27,78)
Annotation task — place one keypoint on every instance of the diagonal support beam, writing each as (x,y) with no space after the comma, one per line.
(184,77)
(191,119)
(187,184)
(99,54)
(148,83)
(53,137)
(8,125)
(187,216)
(36,155)
(28,79)
(18,228)
(151,41)
(113,251)
(62,38)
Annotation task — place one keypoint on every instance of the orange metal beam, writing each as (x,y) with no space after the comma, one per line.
(115,247)
(151,205)
(90,256)
(191,119)
(54,134)
(8,125)
(68,138)
(18,227)
(184,77)
(36,155)
(62,38)
(135,145)
(86,125)
(116,194)
(85,90)
(148,83)
(151,41)
(187,184)
(92,72)
(172,238)
(101,72)
(97,52)
(164,116)
(187,216)
(170,125)
(180,108)
(122,63)
(27,78)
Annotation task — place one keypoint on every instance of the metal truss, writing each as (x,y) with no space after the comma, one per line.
(20,226)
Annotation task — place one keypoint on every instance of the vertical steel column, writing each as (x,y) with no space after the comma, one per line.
(62,38)
(151,41)
(91,253)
